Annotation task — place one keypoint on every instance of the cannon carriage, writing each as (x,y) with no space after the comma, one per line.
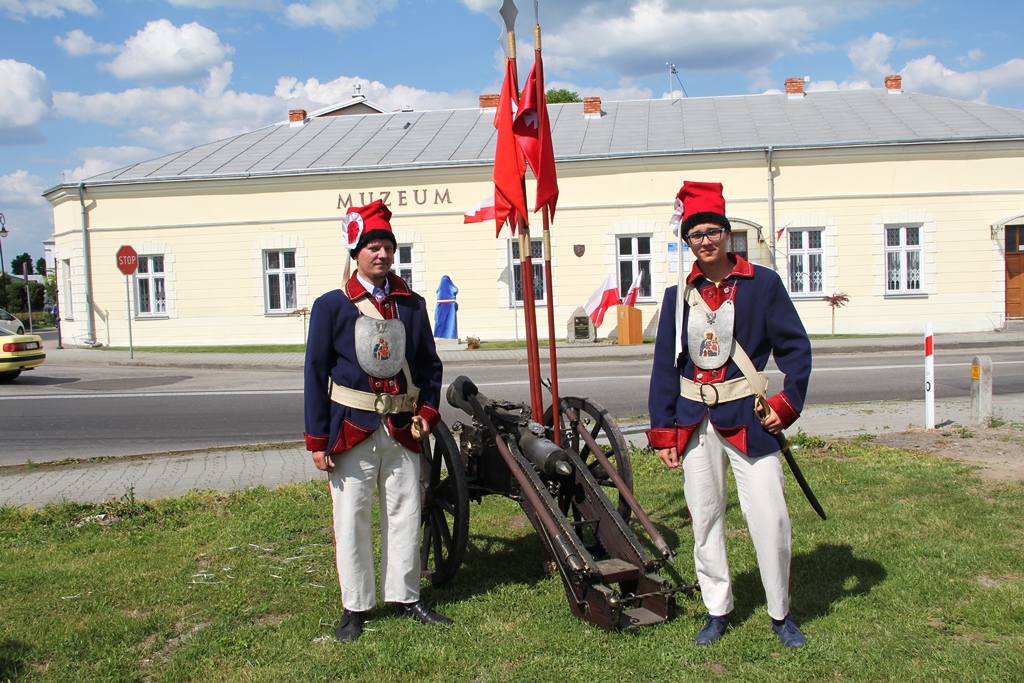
(566,490)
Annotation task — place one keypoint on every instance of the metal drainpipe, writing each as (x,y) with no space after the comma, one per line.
(771,213)
(90,324)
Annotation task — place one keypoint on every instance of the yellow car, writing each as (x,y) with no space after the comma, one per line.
(19,352)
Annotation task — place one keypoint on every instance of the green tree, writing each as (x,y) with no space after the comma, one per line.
(41,266)
(16,296)
(18,260)
(561,95)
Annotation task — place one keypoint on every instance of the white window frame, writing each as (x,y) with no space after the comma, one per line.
(537,256)
(803,261)
(404,267)
(633,262)
(281,273)
(154,282)
(899,258)
(67,307)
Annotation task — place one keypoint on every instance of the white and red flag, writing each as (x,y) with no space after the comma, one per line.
(533,133)
(603,298)
(509,165)
(634,290)
(481,212)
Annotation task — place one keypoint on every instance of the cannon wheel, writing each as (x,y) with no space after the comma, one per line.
(445,513)
(601,426)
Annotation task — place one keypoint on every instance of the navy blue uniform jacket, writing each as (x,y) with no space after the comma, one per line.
(766,324)
(330,353)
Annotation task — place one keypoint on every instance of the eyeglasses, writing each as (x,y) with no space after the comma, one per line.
(714,235)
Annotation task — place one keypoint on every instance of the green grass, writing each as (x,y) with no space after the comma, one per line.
(916,576)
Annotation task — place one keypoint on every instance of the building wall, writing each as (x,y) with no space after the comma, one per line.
(213,235)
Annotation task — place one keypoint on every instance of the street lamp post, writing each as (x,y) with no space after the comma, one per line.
(3,268)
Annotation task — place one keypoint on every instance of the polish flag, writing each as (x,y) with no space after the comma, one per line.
(634,290)
(603,298)
(484,211)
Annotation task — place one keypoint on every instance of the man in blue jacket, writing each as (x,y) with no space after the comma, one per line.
(372,391)
(717,329)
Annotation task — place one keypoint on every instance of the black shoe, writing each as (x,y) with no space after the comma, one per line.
(713,629)
(420,612)
(350,627)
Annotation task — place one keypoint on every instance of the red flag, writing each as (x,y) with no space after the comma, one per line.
(603,298)
(509,165)
(634,290)
(533,133)
(481,212)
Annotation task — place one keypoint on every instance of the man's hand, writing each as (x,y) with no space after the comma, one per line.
(669,456)
(323,461)
(420,428)
(772,422)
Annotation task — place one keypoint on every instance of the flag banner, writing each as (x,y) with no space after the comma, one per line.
(509,164)
(481,212)
(533,134)
(634,290)
(603,298)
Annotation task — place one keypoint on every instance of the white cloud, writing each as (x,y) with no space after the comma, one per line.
(77,43)
(25,97)
(653,32)
(96,160)
(972,57)
(337,14)
(46,9)
(316,94)
(22,189)
(174,118)
(870,57)
(237,4)
(162,51)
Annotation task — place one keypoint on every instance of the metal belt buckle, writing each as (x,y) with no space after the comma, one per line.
(383,403)
(704,399)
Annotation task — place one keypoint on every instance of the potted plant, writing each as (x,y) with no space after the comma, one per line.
(472,342)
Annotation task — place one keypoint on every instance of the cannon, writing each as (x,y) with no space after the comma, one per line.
(610,579)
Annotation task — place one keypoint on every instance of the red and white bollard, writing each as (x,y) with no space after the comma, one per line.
(929,377)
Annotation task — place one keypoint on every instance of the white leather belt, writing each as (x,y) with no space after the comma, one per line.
(382,404)
(713,394)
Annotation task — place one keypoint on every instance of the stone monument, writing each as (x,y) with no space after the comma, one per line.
(581,328)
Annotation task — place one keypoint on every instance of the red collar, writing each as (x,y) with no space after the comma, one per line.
(354,288)
(743,268)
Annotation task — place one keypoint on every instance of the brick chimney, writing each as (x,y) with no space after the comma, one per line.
(894,84)
(592,107)
(296,117)
(489,101)
(795,87)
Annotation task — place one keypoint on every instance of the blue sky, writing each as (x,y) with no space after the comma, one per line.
(91,85)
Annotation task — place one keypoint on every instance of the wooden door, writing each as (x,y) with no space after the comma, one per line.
(1014,271)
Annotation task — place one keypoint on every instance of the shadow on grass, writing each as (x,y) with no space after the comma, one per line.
(818,579)
(493,561)
(13,658)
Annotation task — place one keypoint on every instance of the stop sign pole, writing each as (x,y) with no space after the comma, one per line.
(127,263)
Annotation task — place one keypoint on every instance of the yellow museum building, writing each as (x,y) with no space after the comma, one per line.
(912,205)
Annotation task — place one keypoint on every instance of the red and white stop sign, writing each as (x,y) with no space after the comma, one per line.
(127,259)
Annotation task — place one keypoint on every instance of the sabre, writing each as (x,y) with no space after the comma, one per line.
(761,407)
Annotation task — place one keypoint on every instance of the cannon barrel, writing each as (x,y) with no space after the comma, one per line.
(542,452)
(547,456)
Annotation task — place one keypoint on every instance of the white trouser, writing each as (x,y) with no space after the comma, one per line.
(377,462)
(759,482)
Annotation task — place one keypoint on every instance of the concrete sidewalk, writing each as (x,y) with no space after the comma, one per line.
(453,354)
(171,474)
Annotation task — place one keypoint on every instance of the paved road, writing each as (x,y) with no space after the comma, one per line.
(162,475)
